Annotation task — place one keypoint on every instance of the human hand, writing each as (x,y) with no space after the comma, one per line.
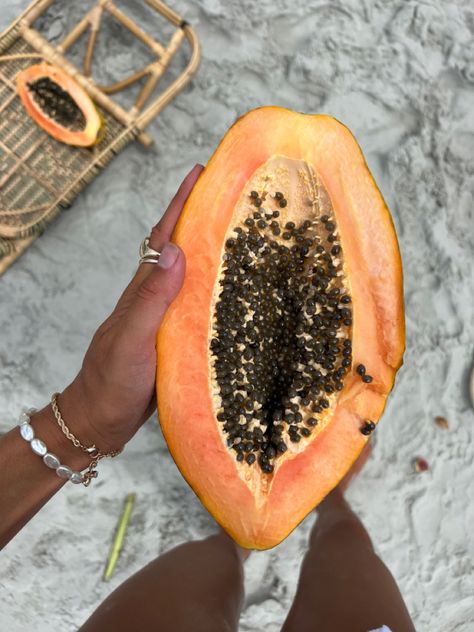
(114,392)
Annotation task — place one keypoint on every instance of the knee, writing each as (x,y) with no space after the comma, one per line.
(227,550)
(341,534)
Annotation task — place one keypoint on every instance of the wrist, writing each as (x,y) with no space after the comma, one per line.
(65,429)
(74,411)
(47,429)
(81,412)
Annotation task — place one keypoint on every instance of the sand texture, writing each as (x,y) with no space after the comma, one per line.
(401,75)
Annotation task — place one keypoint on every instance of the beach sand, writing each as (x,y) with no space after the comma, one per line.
(401,76)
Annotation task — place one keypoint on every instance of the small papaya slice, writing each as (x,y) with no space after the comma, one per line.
(276,359)
(59,105)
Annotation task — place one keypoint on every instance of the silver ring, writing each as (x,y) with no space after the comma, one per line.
(148,254)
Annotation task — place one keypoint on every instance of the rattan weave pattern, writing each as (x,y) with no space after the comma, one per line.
(39,176)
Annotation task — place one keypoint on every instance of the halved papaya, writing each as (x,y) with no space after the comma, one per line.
(276,359)
(59,105)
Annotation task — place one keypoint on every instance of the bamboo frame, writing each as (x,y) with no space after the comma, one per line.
(133,28)
(47,174)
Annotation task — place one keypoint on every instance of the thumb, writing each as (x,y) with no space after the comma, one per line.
(156,292)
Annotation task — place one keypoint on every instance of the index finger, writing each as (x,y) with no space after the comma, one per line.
(162,231)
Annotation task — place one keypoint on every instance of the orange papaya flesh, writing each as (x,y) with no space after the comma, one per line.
(59,105)
(276,359)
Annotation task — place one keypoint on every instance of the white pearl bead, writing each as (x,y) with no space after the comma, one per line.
(64,471)
(76,478)
(27,431)
(38,447)
(51,460)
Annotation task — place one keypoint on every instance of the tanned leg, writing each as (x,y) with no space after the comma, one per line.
(195,587)
(344,586)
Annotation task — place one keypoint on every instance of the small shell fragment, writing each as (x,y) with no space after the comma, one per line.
(442,422)
(420,465)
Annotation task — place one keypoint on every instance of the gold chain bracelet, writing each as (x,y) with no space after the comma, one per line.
(92,451)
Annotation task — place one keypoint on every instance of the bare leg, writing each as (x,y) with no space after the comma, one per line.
(197,586)
(344,586)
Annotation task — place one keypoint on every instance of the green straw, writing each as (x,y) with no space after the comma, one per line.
(117,544)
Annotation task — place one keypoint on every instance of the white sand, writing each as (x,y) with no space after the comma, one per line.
(401,75)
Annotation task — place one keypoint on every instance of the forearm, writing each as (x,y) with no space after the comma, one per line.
(26,483)
(113,394)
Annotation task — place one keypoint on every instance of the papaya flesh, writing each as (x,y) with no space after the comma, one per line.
(59,105)
(276,359)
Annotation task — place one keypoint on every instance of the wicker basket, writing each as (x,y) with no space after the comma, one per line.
(40,176)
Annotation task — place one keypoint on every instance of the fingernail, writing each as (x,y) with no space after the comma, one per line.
(197,167)
(169,254)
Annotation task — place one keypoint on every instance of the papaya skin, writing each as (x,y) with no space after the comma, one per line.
(94,128)
(374,271)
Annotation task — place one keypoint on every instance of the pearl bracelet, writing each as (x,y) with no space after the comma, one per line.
(39,447)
